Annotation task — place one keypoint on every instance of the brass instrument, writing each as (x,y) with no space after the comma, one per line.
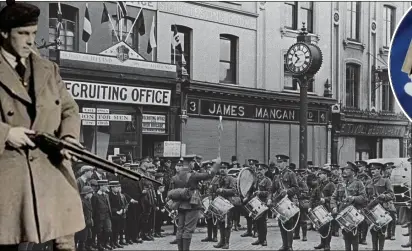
(52,145)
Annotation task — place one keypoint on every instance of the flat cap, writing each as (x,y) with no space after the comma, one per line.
(86,168)
(102,182)
(18,15)
(361,163)
(282,157)
(86,190)
(375,165)
(114,183)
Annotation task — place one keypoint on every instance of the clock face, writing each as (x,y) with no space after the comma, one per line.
(298,58)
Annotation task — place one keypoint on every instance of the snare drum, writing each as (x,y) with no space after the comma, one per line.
(255,208)
(378,216)
(319,216)
(169,209)
(349,218)
(285,209)
(206,205)
(220,207)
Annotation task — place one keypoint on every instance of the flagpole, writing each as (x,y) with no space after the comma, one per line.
(115,32)
(135,20)
(86,46)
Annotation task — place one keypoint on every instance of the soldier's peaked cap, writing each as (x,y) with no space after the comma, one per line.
(102,182)
(224,165)
(263,166)
(351,165)
(361,163)
(282,157)
(253,161)
(114,183)
(389,164)
(375,165)
(18,15)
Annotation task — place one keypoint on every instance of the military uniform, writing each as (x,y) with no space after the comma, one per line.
(379,191)
(213,185)
(336,178)
(264,187)
(304,199)
(285,184)
(188,210)
(354,190)
(392,225)
(249,222)
(227,190)
(237,210)
(364,177)
(322,196)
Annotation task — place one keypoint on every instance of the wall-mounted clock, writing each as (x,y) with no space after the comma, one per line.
(303,58)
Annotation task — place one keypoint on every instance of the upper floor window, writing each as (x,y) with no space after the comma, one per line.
(298,12)
(69,27)
(387,95)
(290,82)
(126,27)
(352,85)
(353,20)
(228,58)
(181,45)
(388,24)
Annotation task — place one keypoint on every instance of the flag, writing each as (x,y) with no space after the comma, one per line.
(152,39)
(140,24)
(105,14)
(87,26)
(121,10)
(220,126)
(59,25)
(176,39)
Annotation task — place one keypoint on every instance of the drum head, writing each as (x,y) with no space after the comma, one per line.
(245,181)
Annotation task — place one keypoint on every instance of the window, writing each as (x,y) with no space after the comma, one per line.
(127,23)
(352,85)
(306,15)
(228,59)
(68,32)
(387,96)
(388,25)
(182,47)
(353,20)
(291,15)
(291,83)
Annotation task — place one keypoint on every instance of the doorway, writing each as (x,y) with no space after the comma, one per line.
(148,143)
(366,148)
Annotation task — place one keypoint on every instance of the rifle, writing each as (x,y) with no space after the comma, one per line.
(52,146)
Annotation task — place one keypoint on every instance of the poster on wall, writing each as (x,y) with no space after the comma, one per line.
(169,149)
(153,124)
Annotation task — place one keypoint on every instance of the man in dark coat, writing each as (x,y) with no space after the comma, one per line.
(189,210)
(117,211)
(85,234)
(84,179)
(102,216)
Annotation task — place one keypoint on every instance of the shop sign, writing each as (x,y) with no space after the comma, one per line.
(93,123)
(118,93)
(153,124)
(249,111)
(357,129)
(115,61)
(144,5)
(169,149)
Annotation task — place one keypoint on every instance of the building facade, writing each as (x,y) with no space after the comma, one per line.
(372,125)
(227,59)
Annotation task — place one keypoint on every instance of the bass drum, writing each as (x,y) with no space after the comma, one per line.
(245,181)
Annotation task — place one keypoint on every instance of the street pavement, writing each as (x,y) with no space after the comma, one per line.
(274,241)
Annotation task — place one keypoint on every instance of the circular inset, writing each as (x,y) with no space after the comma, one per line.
(400,64)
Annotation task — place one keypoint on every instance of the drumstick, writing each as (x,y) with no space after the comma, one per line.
(220,128)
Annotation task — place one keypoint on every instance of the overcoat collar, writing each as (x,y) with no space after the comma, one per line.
(8,77)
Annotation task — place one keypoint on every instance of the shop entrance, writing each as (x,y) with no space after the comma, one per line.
(366,148)
(148,143)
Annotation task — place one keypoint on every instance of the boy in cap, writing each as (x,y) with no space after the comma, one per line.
(52,111)
(379,191)
(363,176)
(83,236)
(350,192)
(117,210)
(285,185)
(322,196)
(102,216)
(86,173)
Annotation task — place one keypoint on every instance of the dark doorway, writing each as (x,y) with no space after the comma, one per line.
(366,148)
(148,143)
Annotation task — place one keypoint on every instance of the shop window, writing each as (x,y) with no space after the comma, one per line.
(366,148)
(298,12)
(352,85)
(228,58)
(69,27)
(290,82)
(181,45)
(353,20)
(388,24)
(126,26)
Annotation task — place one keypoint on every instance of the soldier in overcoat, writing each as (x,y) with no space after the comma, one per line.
(322,196)
(350,192)
(379,191)
(39,199)
(283,185)
(363,176)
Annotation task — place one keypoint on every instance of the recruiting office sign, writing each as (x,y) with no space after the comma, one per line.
(118,94)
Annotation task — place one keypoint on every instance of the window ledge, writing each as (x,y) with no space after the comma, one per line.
(286,32)
(384,50)
(353,45)
(297,92)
